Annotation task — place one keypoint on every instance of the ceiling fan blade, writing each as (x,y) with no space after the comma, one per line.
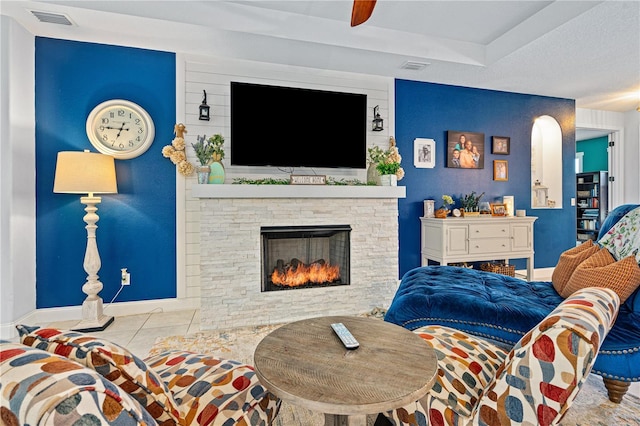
(362,10)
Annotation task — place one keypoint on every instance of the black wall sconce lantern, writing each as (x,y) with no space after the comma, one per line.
(377,122)
(204,108)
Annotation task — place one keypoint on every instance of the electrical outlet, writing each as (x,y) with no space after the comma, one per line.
(125,277)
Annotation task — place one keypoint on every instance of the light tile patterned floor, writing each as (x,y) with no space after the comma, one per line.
(139,332)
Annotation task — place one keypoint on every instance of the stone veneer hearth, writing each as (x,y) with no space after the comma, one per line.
(230,274)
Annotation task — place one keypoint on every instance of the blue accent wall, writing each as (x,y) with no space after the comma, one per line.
(137,226)
(595,154)
(427,110)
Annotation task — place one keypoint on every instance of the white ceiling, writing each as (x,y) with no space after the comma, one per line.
(583,50)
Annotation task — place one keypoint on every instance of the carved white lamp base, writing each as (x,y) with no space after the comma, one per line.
(92,317)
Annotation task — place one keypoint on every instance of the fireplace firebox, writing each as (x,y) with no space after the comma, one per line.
(297,257)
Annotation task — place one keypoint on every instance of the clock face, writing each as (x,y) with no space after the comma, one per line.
(120,128)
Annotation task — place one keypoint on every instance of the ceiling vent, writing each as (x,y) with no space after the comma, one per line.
(414,66)
(52,18)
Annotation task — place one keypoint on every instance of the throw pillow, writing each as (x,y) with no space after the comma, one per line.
(623,239)
(41,388)
(602,270)
(568,262)
(113,362)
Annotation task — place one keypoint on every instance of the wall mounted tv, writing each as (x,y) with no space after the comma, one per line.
(291,127)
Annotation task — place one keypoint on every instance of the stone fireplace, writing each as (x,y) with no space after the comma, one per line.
(232,218)
(301,257)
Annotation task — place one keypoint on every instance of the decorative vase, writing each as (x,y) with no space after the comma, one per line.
(484,207)
(389,180)
(203,173)
(373,175)
(217,173)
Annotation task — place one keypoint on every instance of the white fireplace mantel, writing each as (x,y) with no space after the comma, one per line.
(230,221)
(296,191)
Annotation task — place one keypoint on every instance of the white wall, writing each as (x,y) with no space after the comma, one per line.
(632,156)
(17,174)
(625,156)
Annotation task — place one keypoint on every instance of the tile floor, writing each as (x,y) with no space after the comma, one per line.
(138,333)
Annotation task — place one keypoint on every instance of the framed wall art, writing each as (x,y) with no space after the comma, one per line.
(500,170)
(500,145)
(424,153)
(465,150)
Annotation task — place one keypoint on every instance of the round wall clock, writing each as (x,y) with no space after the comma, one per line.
(120,128)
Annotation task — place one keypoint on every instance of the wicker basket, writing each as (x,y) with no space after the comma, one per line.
(499,268)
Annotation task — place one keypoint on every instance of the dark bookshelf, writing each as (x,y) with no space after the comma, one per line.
(592,204)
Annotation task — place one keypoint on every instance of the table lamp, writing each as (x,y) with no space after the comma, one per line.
(88,173)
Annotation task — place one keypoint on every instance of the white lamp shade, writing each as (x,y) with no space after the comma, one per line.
(85,173)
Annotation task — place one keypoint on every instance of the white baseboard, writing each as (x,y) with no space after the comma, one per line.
(68,313)
(539,274)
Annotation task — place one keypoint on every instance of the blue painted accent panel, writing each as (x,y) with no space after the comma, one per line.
(137,226)
(427,110)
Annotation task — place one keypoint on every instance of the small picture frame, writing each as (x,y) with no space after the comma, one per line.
(501,170)
(429,208)
(498,209)
(424,153)
(500,145)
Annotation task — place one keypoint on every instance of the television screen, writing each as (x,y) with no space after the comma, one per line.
(291,127)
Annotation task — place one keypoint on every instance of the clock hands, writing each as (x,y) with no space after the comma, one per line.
(120,129)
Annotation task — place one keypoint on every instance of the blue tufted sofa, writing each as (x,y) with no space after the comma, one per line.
(504,308)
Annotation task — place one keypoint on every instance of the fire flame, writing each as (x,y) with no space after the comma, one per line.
(314,273)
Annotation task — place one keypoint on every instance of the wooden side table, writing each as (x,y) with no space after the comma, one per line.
(305,364)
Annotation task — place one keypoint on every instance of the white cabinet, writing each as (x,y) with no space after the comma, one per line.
(458,239)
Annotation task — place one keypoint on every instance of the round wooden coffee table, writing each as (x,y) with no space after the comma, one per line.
(305,363)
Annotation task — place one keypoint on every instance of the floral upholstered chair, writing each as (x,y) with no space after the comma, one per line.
(479,383)
(60,377)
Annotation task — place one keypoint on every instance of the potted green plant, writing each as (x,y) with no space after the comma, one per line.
(388,163)
(470,204)
(217,142)
(376,155)
(209,153)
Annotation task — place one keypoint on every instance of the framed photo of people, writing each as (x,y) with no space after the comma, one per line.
(500,145)
(424,153)
(465,150)
(500,170)
(498,209)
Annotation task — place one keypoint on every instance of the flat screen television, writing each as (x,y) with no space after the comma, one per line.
(292,127)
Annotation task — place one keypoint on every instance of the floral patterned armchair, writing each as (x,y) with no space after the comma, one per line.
(479,383)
